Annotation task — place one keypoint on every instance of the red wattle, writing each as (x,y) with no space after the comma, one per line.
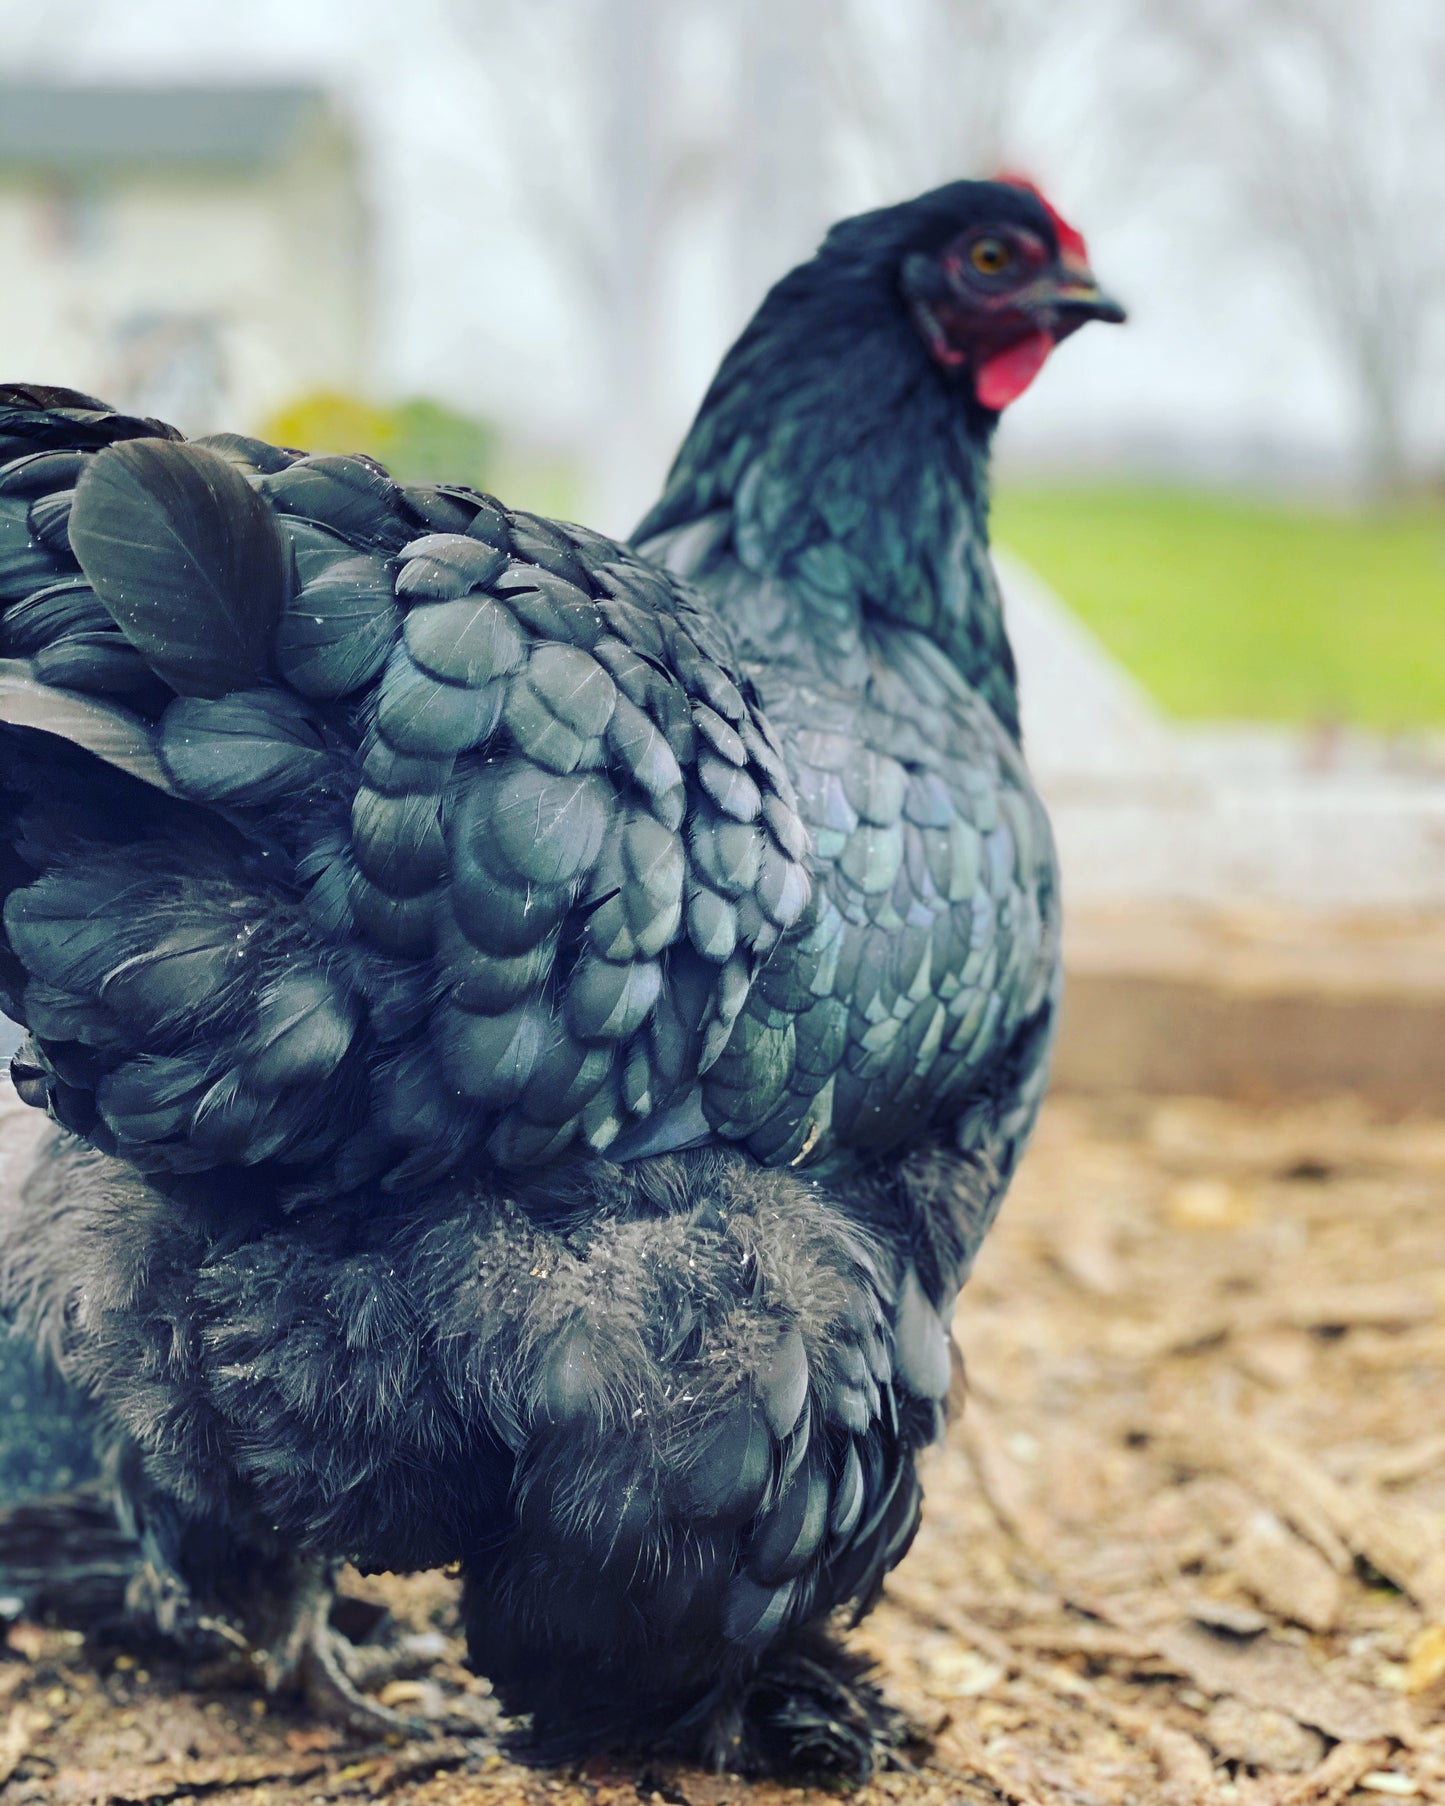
(1003,377)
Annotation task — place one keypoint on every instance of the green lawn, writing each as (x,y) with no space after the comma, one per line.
(1227,608)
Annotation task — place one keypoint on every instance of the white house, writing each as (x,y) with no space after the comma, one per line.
(199,253)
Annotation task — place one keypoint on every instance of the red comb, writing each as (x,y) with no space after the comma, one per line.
(1070,239)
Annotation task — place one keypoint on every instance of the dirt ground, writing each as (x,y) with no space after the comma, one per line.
(1187,1543)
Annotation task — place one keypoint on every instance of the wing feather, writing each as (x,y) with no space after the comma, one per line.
(186,558)
(466,848)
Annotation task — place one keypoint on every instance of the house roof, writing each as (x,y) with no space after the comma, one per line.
(74,128)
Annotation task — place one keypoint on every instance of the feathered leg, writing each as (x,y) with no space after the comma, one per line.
(215,1591)
(808,1709)
(87,1536)
(718,1414)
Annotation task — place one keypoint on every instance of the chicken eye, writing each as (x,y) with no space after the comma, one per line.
(990,255)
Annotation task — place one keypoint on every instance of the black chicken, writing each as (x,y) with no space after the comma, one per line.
(538,1044)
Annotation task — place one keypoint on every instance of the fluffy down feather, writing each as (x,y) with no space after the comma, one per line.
(662,1414)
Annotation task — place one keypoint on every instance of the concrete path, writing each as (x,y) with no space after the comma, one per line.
(1146,811)
(1249,912)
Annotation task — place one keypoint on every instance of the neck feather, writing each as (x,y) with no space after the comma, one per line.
(856,476)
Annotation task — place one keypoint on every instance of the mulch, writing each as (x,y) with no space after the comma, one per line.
(1186,1544)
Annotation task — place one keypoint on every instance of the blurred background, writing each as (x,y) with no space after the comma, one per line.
(508,240)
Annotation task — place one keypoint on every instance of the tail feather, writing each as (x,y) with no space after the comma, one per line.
(112,733)
(36,418)
(187,559)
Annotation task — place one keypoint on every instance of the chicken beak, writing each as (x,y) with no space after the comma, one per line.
(1075,298)
(1081,301)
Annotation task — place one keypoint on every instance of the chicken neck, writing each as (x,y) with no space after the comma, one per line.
(854,477)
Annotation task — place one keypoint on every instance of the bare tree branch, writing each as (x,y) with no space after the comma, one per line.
(1324,118)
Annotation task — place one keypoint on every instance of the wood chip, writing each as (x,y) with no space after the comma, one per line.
(1409,1461)
(1223,1615)
(195,1780)
(1212,1443)
(1381,1306)
(1426,1666)
(1004,1483)
(1279,1677)
(1341,1521)
(1338,1775)
(1391,1782)
(1263,1738)
(22,1726)
(1286,1574)
(1184,1768)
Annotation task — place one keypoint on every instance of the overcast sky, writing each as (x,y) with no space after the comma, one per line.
(489,226)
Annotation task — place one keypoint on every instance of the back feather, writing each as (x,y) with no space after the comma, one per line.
(394,833)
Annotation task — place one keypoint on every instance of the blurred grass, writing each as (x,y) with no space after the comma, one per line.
(419,441)
(1227,608)
(424,441)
